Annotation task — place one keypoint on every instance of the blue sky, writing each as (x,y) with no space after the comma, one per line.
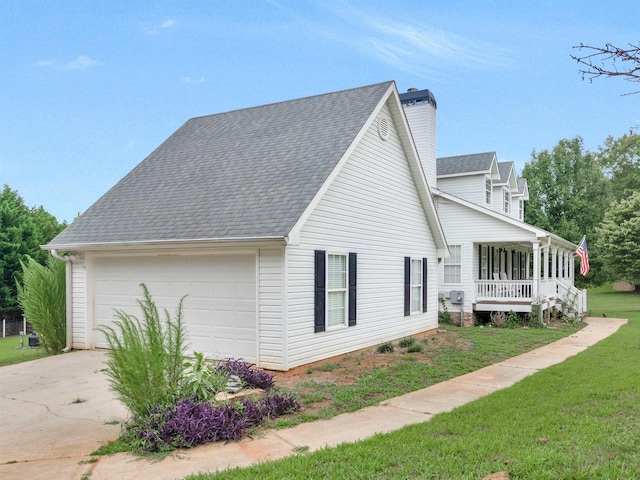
(88,89)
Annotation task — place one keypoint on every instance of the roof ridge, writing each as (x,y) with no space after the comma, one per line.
(291,100)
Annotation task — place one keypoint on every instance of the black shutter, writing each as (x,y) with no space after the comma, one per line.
(320,290)
(407,286)
(480,262)
(353,277)
(491,264)
(425,295)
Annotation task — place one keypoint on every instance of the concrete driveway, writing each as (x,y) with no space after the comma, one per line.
(53,413)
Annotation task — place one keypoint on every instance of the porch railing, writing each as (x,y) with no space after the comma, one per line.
(513,290)
(574,299)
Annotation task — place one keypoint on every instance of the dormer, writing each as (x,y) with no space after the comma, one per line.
(520,197)
(470,177)
(504,189)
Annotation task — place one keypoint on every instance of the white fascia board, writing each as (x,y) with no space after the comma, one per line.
(399,118)
(465,174)
(493,170)
(166,244)
(540,234)
(294,233)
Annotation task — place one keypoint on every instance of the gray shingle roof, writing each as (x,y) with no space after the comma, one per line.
(477,162)
(522,184)
(505,169)
(248,173)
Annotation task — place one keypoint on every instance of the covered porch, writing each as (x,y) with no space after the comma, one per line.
(516,275)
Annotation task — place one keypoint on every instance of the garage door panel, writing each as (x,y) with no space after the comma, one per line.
(220,308)
(200,291)
(246,291)
(199,318)
(224,291)
(246,320)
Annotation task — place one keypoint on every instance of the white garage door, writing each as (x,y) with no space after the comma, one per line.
(220,308)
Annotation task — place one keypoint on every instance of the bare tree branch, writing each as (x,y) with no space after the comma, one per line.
(609,61)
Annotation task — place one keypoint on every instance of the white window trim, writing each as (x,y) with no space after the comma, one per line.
(488,190)
(413,286)
(446,263)
(345,290)
(507,201)
(521,209)
(484,262)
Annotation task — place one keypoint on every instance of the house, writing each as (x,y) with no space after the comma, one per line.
(497,262)
(299,230)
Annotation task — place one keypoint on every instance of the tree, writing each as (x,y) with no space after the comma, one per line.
(22,231)
(568,194)
(627,58)
(618,240)
(621,160)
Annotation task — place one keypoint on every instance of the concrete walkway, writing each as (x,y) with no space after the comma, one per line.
(55,411)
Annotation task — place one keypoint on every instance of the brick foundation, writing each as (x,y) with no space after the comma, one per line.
(468,319)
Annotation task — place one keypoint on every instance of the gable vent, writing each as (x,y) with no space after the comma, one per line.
(383,128)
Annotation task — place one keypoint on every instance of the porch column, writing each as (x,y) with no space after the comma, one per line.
(536,268)
(554,262)
(565,273)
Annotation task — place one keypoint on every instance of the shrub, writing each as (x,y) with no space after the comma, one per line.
(42,298)
(189,422)
(407,342)
(443,314)
(415,348)
(251,377)
(386,348)
(499,319)
(146,357)
(513,320)
(570,319)
(201,380)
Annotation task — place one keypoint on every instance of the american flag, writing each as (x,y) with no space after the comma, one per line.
(584,256)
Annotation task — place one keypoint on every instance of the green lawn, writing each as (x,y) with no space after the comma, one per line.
(10,351)
(576,420)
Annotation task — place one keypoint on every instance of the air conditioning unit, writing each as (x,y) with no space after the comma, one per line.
(457,297)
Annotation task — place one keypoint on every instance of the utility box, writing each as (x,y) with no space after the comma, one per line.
(457,297)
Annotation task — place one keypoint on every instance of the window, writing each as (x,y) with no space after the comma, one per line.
(521,209)
(488,188)
(453,265)
(507,201)
(335,290)
(484,262)
(415,285)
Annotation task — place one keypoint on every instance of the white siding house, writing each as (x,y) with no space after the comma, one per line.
(298,231)
(497,262)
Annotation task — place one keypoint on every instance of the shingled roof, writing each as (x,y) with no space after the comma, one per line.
(248,173)
(505,169)
(476,162)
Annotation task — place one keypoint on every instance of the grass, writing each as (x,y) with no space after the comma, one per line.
(576,420)
(10,351)
(485,346)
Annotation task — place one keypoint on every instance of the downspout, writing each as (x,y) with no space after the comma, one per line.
(68,259)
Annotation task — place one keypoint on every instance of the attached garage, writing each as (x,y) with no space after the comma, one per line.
(220,308)
(234,209)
